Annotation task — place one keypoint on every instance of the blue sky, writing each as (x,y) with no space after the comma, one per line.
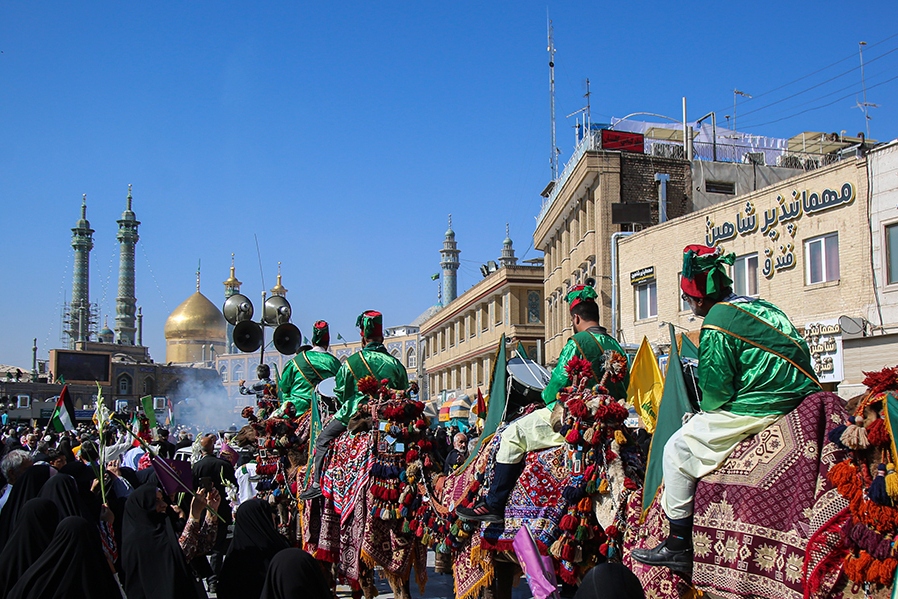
(343,135)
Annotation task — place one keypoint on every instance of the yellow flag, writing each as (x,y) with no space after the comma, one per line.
(646,385)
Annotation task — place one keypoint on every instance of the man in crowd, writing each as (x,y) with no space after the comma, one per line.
(753,368)
(458,454)
(308,368)
(373,360)
(534,431)
(166,448)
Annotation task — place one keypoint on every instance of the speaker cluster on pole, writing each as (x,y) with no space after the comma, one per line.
(249,335)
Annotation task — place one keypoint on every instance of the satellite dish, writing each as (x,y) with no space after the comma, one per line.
(852,327)
(237,308)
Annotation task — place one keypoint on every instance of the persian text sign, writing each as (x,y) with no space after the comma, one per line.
(778,224)
(824,339)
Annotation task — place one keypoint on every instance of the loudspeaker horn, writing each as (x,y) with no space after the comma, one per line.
(237,308)
(287,339)
(248,336)
(276,311)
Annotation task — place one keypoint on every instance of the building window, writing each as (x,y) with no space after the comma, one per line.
(822,259)
(533,305)
(223,371)
(646,300)
(745,275)
(462,327)
(892,254)
(124,385)
(238,371)
(149,386)
(726,187)
(499,309)
(412,358)
(396,354)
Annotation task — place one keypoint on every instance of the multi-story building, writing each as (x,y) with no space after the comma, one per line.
(460,340)
(619,182)
(804,244)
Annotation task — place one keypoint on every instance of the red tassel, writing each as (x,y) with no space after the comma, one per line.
(877,434)
(573,436)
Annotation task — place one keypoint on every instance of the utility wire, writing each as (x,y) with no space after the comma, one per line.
(822,105)
(804,91)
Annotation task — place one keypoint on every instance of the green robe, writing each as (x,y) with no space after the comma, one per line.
(302,374)
(752,361)
(590,344)
(374,360)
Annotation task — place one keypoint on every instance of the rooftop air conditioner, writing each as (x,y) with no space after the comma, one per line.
(754,158)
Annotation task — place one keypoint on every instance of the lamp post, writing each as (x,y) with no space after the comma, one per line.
(736,92)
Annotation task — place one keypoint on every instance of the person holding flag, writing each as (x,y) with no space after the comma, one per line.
(753,367)
(534,431)
(373,360)
(63,417)
(308,368)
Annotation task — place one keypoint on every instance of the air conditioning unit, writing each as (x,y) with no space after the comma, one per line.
(23,401)
(663,150)
(159,403)
(754,158)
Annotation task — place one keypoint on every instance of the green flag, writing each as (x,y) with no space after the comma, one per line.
(687,348)
(496,407)
(674,404)
(435,277)
(147,402)
(522,352)
(314,430)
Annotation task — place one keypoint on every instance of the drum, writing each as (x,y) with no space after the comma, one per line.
(527,380)
(326,390)
(690,377)
(326,387)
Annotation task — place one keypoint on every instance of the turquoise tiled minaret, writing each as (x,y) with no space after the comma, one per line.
(449,263)
(126,303)
(82,243)
(508,258)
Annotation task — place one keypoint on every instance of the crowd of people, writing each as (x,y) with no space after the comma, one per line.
(71,528)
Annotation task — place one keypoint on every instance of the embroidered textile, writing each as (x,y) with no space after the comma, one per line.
(535,500)
(755,515)
(346,478)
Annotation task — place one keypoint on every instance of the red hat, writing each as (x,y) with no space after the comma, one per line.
(370,324)
(704,271)
(580,293)
(321,334)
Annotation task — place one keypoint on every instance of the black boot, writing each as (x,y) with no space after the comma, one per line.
(675,552)
(492,507)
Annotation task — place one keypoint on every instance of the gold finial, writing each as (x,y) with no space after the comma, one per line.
(199,263)
(232,282)
(279,289)
(83,206)
(129,196)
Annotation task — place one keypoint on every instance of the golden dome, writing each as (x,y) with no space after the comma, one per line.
(196,319)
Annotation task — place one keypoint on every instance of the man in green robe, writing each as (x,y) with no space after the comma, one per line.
(753,368)
(308,368)
(534,431)
(373,360)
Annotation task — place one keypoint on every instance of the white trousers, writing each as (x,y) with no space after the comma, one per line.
(528,433)
(699,448)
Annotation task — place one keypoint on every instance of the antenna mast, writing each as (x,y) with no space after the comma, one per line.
(553,160)
(863,106)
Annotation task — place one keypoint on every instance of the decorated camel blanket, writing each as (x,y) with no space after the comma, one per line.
(766,521)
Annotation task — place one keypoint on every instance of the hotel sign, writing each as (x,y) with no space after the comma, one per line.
(642,275)
(778,224)
(824,339)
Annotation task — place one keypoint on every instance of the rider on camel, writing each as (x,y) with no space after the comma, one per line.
(534,431)
(308,368)
(373,360)
(753,367)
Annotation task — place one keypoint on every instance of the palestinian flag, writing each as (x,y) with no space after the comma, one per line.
(63,418)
